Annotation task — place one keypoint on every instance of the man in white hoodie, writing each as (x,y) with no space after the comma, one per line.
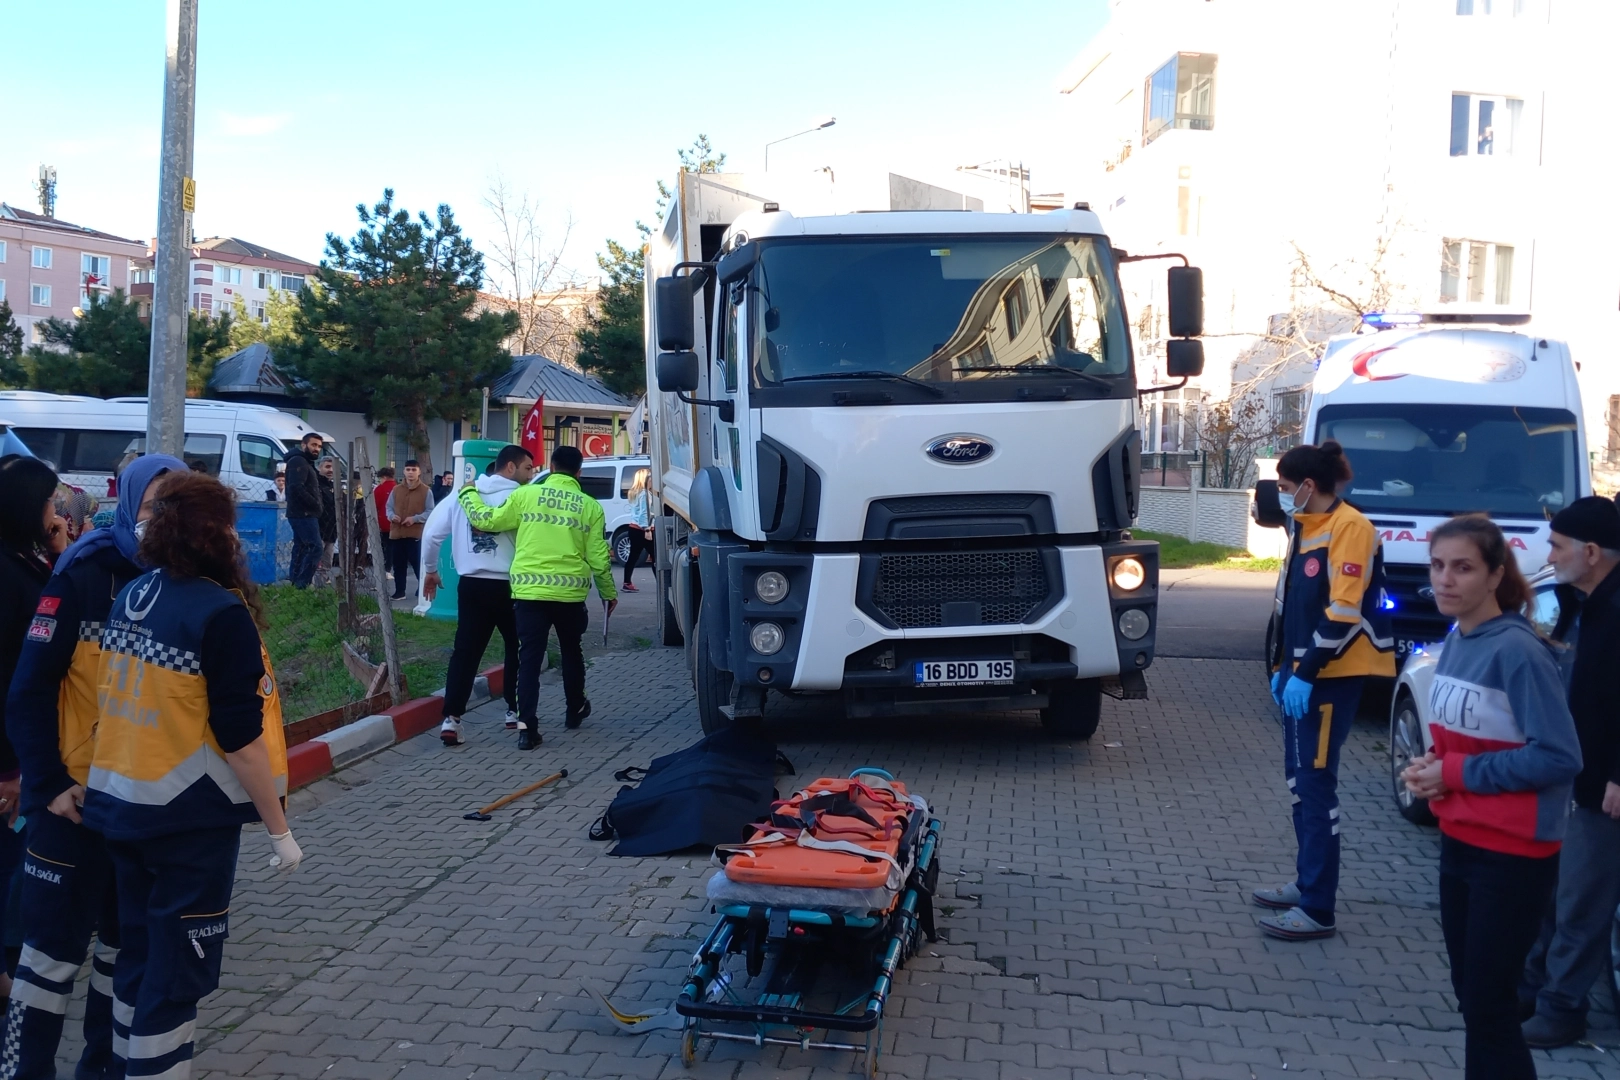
(484,591)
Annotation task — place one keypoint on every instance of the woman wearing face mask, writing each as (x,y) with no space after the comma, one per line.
(68,892)
(1334,634)
(1499,779)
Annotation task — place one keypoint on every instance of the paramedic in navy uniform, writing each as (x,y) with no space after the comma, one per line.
(66,888)
(188,749)
(1334,634)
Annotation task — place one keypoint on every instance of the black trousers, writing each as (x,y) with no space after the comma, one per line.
(639,546)
(1491,906)
(483,606)
(405,554)
(535,619)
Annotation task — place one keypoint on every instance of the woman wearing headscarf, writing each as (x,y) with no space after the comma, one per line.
(51,719)
(188,749)
(32,537)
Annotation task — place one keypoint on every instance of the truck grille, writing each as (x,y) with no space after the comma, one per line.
(960,588)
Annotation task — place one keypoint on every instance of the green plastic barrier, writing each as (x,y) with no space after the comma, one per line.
(470,457)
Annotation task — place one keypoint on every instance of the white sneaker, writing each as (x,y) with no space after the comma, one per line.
(450,731)
(511,719)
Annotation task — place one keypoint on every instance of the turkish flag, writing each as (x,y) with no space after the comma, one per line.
(533,437)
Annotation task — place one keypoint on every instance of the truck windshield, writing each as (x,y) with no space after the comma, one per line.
(964,312)
(1455,459)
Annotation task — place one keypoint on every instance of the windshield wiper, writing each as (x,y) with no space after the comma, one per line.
(893,376)
(1066,372)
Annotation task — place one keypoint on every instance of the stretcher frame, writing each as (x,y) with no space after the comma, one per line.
(737,930)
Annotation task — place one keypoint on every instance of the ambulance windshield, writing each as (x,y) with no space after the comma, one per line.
(966,315)
(1456,459)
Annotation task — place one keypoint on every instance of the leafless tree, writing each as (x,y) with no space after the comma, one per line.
(529,277)
(1231,433)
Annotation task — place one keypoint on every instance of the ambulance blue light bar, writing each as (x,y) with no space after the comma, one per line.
(1387,320)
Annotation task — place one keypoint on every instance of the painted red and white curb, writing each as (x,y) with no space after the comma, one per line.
(325,754)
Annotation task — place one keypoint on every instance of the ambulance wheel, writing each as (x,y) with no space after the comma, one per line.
(689,1044)
(1406,743)
(873,1038)
(669,631)
(1075,710)
(713,686)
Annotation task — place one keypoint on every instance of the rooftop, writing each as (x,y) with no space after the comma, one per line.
(249,371)
(231,245)
(534,376)
(40,221)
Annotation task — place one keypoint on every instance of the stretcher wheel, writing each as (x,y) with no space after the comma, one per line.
(689,1044)
(873,1038)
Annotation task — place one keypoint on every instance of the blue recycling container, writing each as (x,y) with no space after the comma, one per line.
(470,458)
(267,539)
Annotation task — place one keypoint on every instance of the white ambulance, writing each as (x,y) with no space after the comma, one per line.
(1442,415)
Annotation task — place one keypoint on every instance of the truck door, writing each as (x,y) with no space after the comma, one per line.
(731,440)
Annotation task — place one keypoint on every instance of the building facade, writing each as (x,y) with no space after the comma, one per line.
(224,269)
(1411,154)
(49,267)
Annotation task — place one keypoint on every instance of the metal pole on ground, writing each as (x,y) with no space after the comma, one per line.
(166,381)
(379,582)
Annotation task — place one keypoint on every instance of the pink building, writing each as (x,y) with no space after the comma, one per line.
(49,267)
(224,268)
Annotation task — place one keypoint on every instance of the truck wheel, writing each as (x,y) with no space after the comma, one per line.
(713,686)
(1075,710)
(669,631)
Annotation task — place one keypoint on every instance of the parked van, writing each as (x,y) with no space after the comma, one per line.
(89,440)
(608,480)
(1443,415)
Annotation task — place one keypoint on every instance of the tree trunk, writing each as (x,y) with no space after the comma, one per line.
(422,444)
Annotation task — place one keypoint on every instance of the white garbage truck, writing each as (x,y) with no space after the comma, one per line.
(895,454)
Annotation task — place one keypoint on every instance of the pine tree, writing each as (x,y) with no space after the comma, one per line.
(612,342)
(106,353)
(12,372)
(392,327)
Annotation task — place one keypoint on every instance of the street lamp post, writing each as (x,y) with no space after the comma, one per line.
(819,125)
(166,383)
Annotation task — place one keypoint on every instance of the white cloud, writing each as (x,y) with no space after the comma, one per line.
(237,126)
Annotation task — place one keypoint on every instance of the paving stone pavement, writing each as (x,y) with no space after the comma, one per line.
(1093,906)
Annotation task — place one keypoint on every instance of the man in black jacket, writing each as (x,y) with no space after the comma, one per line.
(304,505)
(1574,945)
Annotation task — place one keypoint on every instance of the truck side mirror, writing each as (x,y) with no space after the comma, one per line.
(677,371)
(1267,506)
(1185,301)
(672,308)
(1183,358)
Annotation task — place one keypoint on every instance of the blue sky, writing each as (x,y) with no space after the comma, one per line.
(306,108)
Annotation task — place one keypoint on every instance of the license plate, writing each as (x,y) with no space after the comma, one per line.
(963,672)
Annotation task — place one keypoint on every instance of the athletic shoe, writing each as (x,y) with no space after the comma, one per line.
(572,720)
(450,731)
(1294,925)
(399,596)
(1546,1033)
(1281,898)
(527,740)
(511,719)
(627,587)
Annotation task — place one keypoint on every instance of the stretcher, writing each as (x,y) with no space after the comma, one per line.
(817,912)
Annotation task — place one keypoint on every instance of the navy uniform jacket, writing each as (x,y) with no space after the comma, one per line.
(1334,624)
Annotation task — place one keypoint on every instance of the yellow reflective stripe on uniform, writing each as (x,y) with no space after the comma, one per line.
(553,519)
(561,581)
(1344,611)
(203,761)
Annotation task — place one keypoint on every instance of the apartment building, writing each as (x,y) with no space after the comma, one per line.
(1437,152)
(49,267)
(224,268)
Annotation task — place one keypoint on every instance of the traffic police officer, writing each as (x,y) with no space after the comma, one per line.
(67,886)
(188,749)
(1334,633)
(560,548)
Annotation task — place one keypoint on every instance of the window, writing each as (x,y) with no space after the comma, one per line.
(205,302)
(2,251)
(1611,451)
(228,275)
(141,275)
(97,270)
(259,457)
(728,340)
(2,288)
(1490,7)
(1015,307)
(42,258)
(292,282)
(1288,413)
(1484,126)
(597,481)
(40,296)
(261,279)
(203,453)
(256,309)
(1181,94)
(80,451)
(1476,272)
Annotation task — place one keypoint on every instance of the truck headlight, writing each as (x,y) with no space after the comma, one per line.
(767,638)
(1133,624)
(1129,574)
(771,587)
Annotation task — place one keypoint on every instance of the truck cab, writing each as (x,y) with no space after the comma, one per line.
(895,457)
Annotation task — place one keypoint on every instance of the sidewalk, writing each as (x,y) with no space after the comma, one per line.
(1093,901)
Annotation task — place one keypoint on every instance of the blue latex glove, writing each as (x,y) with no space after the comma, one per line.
(1296,698)
(1276,687)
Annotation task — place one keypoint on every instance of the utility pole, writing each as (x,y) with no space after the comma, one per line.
(166,384)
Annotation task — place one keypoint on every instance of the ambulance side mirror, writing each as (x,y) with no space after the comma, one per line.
(1266,510)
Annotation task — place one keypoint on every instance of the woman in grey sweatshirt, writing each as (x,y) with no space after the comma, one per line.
(1499,779)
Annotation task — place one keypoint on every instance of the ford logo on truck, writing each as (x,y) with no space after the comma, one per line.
(959,449)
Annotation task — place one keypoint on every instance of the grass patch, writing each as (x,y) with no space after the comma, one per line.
(307,649)
(1179,553)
